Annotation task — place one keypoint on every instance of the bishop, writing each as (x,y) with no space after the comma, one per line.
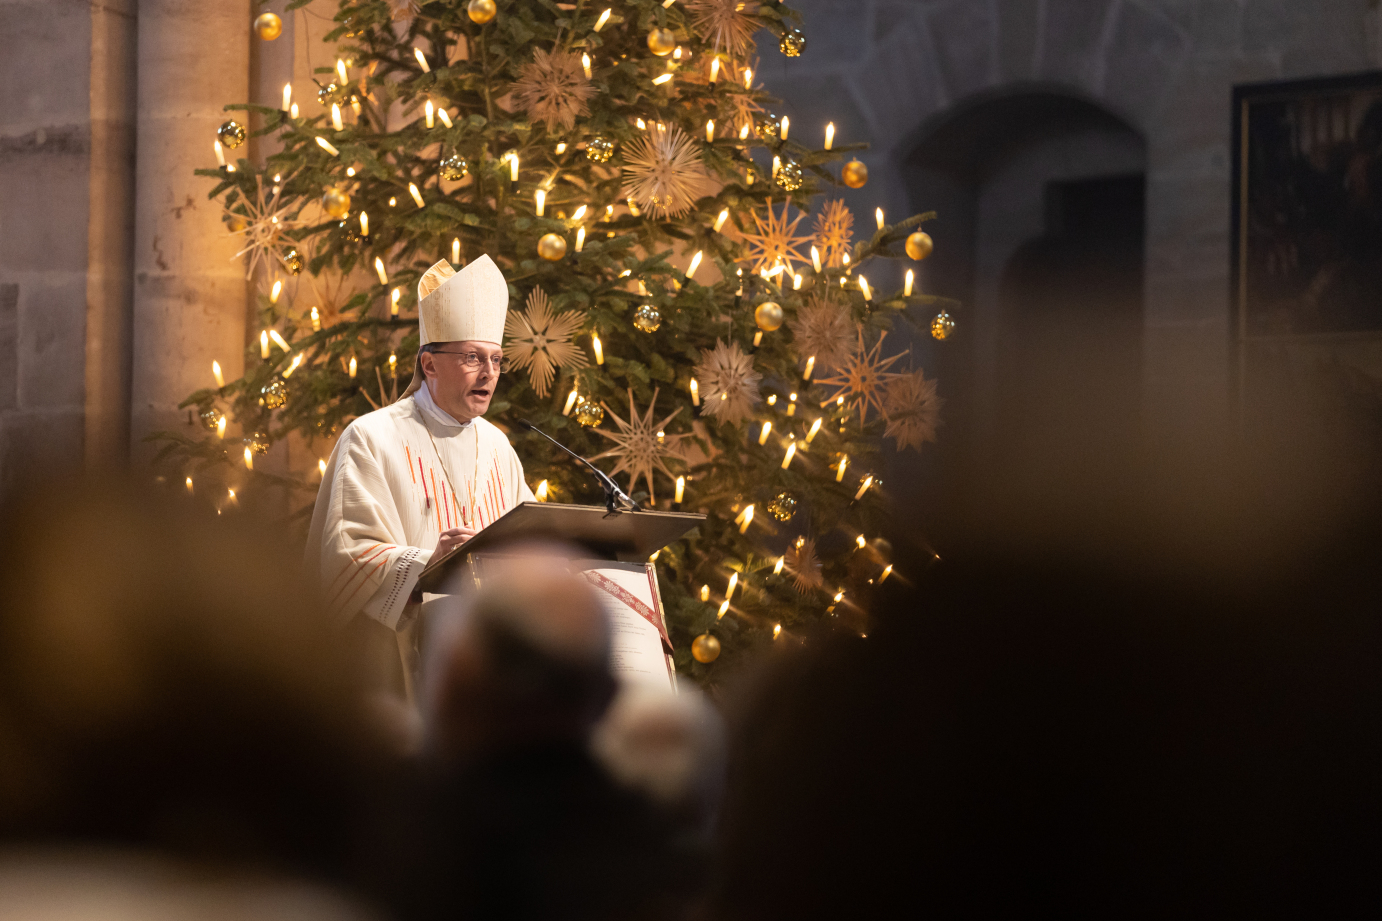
(426,473)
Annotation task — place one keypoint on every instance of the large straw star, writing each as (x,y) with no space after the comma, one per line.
(638,447)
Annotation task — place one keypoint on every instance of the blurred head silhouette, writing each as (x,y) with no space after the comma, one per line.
(523,660)
(166,684)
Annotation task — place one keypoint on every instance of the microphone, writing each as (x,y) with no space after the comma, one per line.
(613,493)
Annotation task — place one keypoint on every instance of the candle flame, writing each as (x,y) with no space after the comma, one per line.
(417,196)
(325,145)
(216,373)
(681,491)
(422,60)
(379,268)
(766,431)
(599,349)
(604,18)
(791,453)
(249,459)
(907,288)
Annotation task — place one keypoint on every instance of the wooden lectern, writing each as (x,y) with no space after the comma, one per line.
(617,546)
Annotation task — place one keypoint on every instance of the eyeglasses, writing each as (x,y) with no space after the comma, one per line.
(472,360)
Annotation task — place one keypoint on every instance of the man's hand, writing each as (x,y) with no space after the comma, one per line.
(453,538)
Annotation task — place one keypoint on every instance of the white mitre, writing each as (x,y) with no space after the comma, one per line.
(466,306)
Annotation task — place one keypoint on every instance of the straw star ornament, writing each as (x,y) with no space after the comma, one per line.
(265,222)
(727,24)
(834,232)
(913,410)
(552,88)
(862,377)
(822,328)
(540,340)
(804,565)
(663,172)
(775,240)
(638,447)
(728,382)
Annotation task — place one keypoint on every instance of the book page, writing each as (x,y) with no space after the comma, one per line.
(626,593)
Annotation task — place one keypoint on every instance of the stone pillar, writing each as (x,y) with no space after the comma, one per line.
(189,291)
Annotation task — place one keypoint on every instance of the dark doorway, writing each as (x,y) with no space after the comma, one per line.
(1069,357)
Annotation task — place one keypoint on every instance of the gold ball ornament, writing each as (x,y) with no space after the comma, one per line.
(661,42)
(599,150)
(211,418)
(919,245)
(481,11)
(258,443)
(793,43)
(943,325)
(647,319)
(705,649)
(453,168)
(292,261)
(589,413)
(232,134)
(768,316)
(855,174)
(782,506)
(268,26)
(789,175)
(331,93)
(336,202)
(236,222)
(275,394)
(551,247)
(768,128)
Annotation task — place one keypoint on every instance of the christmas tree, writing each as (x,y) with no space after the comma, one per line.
(686,304)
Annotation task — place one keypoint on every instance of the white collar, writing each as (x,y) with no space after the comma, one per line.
(429,407)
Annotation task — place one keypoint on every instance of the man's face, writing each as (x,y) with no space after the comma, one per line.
(462,391)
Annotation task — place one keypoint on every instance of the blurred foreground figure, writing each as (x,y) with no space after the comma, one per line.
(1019,739)
(172,707)
(514,818)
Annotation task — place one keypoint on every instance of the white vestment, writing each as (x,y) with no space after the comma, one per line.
(398,477)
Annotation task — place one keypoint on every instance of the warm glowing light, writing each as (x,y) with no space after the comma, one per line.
(791,453)
(293,110)
(840,469)
(189,484)
(710,130)
(422,60)
(864,287)
(445,117)
(695,263)
(279,340)
(513,166)
(695,393)
(878,216)
(816,259)
(599,349)
(734,576)
(604,18)
(321,466)
(354,366)
(336,121)
(379,269)
(580,239)
(744,136)
(839,596)
(748,78)
(786,122)
(724,606)
(829,135)
(429,113)
(777,567)
(864,487)
(393,364)
(887,571)
(293,366)
(539,202)
(264,344)
(907,286)
(341,71)
(777,630)
(325,145)
(570,402)
(810,366)
(541,492)
(221,427)
(287,96)
(845,258)
(578,213)
(249,459)
(417,196)
(585,65)
(772,399)
(777,165)
(705,592)
(763,435)
(316,320)
(364,224)
(561,148)
(642,125)
(720,220)
(815,427)
(860,542)
(665,78)
(714,69)
(681,491)
(455,249)
(796,282)
(394,295)
(220,156)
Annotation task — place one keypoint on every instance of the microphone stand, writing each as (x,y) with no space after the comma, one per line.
(613,494)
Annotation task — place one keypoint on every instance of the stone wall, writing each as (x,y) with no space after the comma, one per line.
(891,71)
